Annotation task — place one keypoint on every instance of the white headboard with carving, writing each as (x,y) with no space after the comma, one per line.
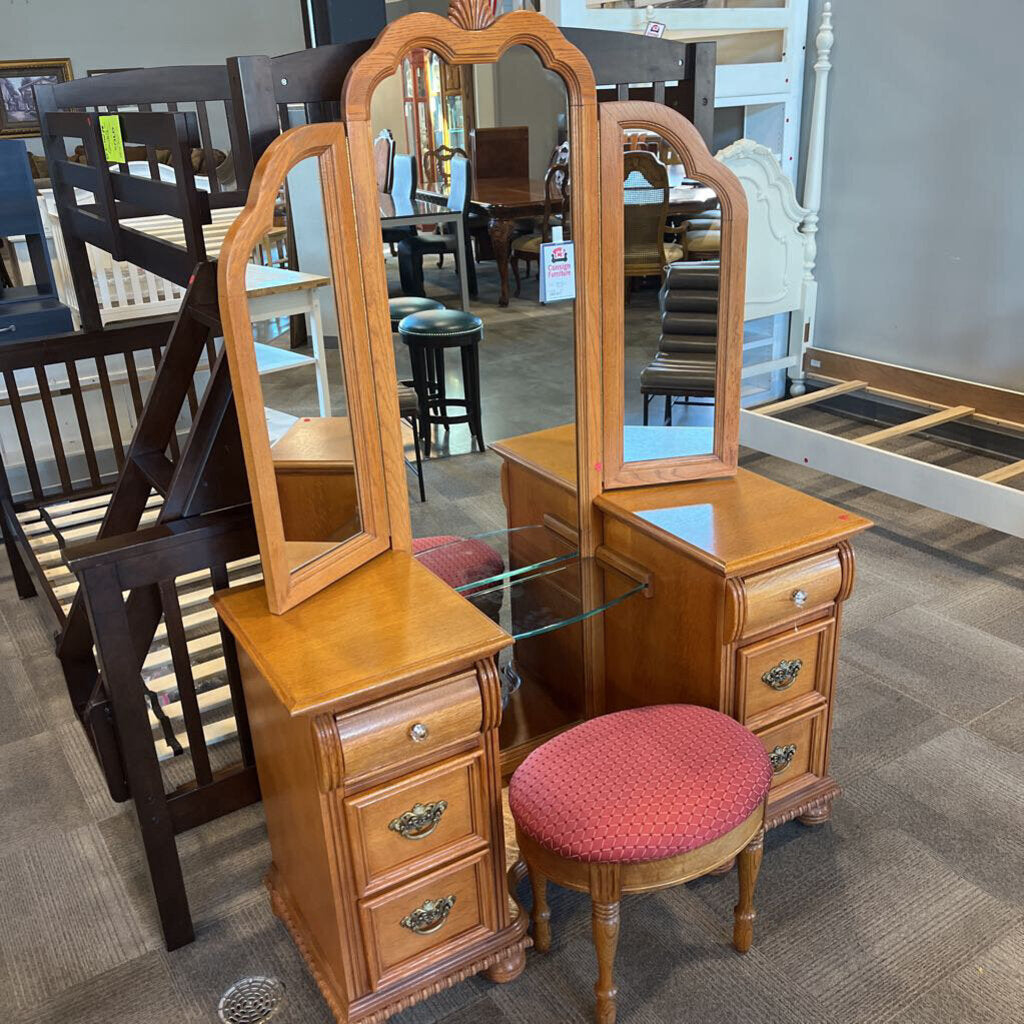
(775,244)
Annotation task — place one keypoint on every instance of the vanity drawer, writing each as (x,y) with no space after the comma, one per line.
(796,748)
(789,592)
(406,929)
(411,726)
(416,823)
(784,674)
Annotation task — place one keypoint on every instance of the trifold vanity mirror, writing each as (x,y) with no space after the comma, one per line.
(650,378)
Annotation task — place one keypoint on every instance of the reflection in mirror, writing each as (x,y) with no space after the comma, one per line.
(295,327)
(672,233)
(483,149)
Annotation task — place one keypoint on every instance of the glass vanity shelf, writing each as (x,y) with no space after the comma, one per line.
(530,579)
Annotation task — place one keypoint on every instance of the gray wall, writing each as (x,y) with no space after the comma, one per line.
(147,33)
(922,222)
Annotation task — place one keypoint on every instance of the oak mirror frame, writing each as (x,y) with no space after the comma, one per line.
(471,35)
(294,570)
(677,133)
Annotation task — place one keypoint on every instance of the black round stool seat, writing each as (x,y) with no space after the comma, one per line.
(428,334)
(406,304)
(449,328)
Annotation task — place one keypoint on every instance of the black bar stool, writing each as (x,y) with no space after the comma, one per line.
(405,305)
(428,334)
(408,401)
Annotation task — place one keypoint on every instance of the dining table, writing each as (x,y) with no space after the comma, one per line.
(506,201)
(503,201)
(398,211)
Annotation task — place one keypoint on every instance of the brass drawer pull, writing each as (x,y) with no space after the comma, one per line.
(421,821)
(781,758)
(419,732)
(430,917)
(783,675)
(799,598)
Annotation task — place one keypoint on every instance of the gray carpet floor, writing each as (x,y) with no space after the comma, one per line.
(907,907)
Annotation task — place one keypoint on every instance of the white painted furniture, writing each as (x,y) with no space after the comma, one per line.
(769,91)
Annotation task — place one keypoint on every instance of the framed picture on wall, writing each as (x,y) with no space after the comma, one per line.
(18,115)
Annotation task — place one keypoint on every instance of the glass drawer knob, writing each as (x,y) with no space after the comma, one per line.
(799,598)
(419,732)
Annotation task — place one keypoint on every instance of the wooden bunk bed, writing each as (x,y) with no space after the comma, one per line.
(126,531)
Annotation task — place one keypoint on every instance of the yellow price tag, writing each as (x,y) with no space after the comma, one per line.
(110,133)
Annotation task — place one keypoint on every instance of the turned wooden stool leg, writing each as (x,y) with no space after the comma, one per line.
(541,913)
(749,862)
(604,904)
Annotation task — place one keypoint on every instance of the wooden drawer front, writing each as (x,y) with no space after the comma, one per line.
(411,726)
(406,929)
(784,674)
(418,822)
(796,747)
(780,595)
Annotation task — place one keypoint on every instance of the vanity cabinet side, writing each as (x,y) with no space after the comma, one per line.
(305,874)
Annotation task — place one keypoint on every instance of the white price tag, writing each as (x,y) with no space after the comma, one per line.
(557,271)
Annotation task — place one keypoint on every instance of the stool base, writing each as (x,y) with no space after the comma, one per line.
(606,882)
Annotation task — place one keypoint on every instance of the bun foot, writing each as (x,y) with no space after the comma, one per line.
(508,969)
(817,815)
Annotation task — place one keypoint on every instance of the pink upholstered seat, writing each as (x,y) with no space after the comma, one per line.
(458,561)
(640,785)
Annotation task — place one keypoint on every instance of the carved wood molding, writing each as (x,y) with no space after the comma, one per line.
(455,44)
(472,14)
(736,609)
(819,804)
(330,764)
(848,561)
(490,693)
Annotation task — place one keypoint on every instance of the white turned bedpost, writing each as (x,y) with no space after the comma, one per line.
(801,331)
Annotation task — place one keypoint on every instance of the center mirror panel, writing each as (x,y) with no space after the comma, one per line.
(474,172)
(672,231)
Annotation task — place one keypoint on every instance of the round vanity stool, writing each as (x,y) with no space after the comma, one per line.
(636,801)
(405,305)
(428,334)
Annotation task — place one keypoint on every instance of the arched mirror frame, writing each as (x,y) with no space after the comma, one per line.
(617,118)
(326,143)
(471,35)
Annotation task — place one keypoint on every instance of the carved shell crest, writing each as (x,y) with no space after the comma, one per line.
(472,14)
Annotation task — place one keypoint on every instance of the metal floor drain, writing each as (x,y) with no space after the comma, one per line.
(251,1001)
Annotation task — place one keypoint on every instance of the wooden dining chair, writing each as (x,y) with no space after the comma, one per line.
(437,163)
(556,213)
(383,158)
(646,195)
